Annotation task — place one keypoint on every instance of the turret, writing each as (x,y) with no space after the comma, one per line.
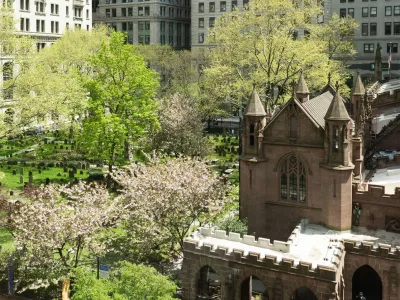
(302,93)
(254,123)
(356,95)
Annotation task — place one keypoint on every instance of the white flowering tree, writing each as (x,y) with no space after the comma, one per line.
(58,229)
(164,199)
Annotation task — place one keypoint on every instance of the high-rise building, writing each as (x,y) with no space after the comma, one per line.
(165,22)
(204,14)
(48,20)
(379,23)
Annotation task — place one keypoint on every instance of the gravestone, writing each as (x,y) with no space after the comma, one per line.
(30,177)
(59,174)
(21,178)
(45,140)
(11,193)
(81,172)
(21,171)
(14,172)
(47,181)
(65,168)
(71,174)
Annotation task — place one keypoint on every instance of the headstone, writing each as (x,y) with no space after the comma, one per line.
(47,181)
(14,172)
(45,140)
(11,193)
(71,173)
(81,172)
(59,174)
(21,171)
(21,178)
(65,168)
(30,177)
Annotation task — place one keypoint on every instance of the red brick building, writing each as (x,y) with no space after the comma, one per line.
(301,175)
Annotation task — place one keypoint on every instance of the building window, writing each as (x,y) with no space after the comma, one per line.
(130,12)
(394,47)
(123,12)
(293,181)
(364,29)
(201,23)
(388,28)
(388,11)
(201,7)
(212,7)
(67,11)
(373,12)
(365,11)
(350,12)
(211,22)
(396,28)
(201,38)
(54,27)
(54,9)
(24,5)
(368,48)
(24,24)
(147,11)
(234,5)
(397,10)
(342,13)
(124,26)
(140,11)
(342,1)
(39,6)
(372,29)
(223,6)
(40,26)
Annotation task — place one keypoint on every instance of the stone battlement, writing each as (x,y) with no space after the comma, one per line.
(370,248)
(252,241)
(376,193)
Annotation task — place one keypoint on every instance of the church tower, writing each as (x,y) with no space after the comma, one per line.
(302,92)
(336,172)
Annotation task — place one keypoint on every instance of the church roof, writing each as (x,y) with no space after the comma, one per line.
(358,89)
(337,110)
(254,106)
(318,106)
(302,86)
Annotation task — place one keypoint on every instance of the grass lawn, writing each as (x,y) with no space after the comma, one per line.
(11,181)
(6,240)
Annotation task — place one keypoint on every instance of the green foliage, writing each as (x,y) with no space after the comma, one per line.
(232,223)
(127,281)
(121,105)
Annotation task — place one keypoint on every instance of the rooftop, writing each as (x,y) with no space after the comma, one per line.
(389,86)
(309,243)
(387,177)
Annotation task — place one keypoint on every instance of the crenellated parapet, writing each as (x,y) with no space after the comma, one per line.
(370,248)
(376,194)
(262,253)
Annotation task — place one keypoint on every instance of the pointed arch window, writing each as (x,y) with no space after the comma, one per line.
(293,180)
(252,134)
(335,139)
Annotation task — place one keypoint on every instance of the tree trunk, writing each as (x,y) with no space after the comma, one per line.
(65,289)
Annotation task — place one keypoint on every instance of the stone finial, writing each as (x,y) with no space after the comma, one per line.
(302,92)
(254,106)
(358,89)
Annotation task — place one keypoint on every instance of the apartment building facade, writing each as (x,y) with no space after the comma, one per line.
(204,14)
(149,22)
(48,20)
(379,23)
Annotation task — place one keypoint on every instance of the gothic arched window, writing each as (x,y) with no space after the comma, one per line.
(293,180)
(251,134)
(335,139)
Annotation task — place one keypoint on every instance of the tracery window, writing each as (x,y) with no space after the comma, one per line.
(252,134)
(293,180)
(335,139)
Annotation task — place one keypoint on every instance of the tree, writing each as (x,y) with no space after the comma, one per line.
(57,229)
(163,199)
(260,45)
(49,89)
(181,128)
(122,107)
(127,281)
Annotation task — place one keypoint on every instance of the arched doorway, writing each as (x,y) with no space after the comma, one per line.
(208,284)
(366,280)
(253,289)
(303,293)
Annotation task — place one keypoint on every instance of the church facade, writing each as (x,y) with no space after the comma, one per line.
(315,230)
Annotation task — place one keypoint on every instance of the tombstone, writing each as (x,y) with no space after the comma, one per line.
(81,172)
(47,181)
(21,171)
(11,193)
(59,174)
(30,177)
(71,174)
(65,168)
(45,140)
(14,172)
(21,178)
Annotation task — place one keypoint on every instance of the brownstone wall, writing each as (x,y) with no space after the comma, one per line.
(376,205)
(391,142)
(280,285)
(382,262)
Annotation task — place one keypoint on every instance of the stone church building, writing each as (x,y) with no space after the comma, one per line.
(317,229)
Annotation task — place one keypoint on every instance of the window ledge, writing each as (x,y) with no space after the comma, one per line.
(293,204)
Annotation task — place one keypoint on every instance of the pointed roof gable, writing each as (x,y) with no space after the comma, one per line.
(254,106)
(358,89)
(302,86)
(337,111)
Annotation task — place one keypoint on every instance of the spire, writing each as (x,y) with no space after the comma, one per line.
(337,111)
(358,89)
(254,106)
(378,55)
(302,86)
